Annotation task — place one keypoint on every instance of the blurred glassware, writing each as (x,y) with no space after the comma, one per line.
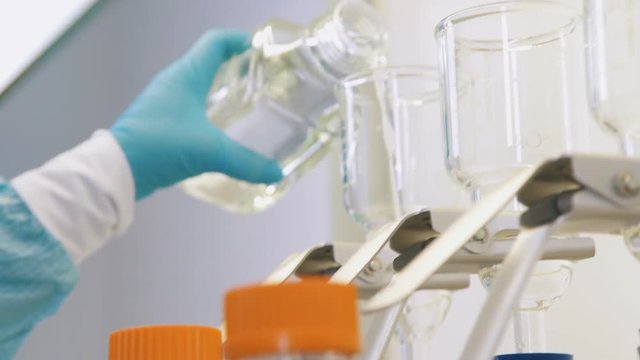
(391,152)
(277,98)
(613,63)
(392,165)
(510,74)
(422,316)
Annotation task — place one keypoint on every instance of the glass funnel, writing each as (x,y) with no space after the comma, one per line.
(613,55)
(392,165)
(391,151)
(421,318)
(510,74)
(548,283)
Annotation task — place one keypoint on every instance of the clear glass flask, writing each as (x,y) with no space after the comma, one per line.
(513,78)
(613,55)
(392,165)
(277,98)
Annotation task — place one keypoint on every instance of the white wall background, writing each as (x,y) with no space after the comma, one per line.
(180,255)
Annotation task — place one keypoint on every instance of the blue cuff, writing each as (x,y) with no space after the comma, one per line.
(36,273)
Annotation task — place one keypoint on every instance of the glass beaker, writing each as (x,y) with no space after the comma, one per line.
(613,54)
(277,99)
(512,74)
(392,165)
(391,148)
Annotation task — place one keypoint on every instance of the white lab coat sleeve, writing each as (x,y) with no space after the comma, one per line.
(84,196)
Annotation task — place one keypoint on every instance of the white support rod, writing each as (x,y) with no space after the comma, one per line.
(441,249)
(506,292)
(286,268)
(377,338)
(363,256)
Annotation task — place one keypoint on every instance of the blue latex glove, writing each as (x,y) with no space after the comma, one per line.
(165,133)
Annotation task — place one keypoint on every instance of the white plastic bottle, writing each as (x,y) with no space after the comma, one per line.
(277,98)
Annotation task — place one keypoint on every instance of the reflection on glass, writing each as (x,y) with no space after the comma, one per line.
(613,55)
(512,72)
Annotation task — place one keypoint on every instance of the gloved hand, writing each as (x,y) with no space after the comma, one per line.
(165,133)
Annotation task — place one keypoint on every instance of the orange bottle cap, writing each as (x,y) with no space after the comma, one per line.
(166,342)
(304,317)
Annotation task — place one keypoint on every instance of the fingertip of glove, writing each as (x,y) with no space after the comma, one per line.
(271,173)
(259,171)
(230,41)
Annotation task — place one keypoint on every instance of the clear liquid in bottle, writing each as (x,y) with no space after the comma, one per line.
(277,98)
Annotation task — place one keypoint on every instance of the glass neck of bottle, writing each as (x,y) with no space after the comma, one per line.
(348,40)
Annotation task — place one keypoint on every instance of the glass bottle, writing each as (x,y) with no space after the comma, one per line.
(277,98)
(509,88)
(311,319)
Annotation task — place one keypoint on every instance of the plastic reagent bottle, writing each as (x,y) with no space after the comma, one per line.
(166,342)
(295,321)
(277,98)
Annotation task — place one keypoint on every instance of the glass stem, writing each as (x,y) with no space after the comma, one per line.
(420,348)
(628,146)
(530,335)
(413,346)
(414,349)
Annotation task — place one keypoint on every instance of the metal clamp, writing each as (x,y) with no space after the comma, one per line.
(580,193)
